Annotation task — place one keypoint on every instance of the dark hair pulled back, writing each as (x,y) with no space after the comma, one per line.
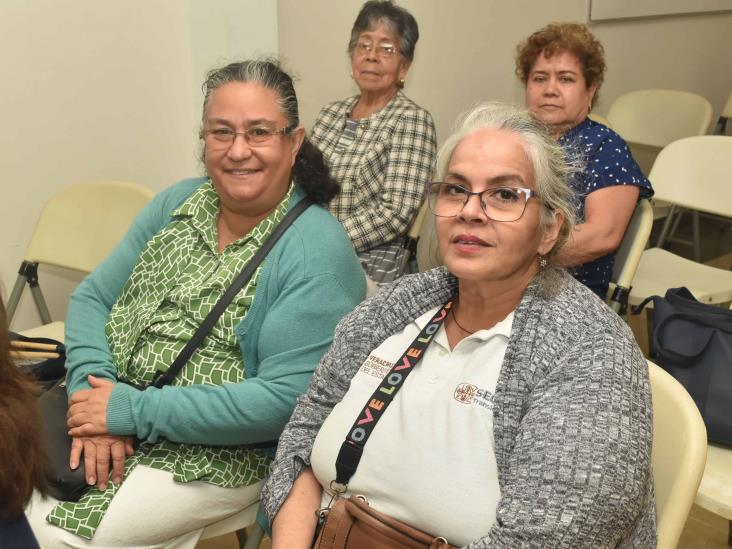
(310,170)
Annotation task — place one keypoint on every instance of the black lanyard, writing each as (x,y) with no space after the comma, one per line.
(165,377)
(352,448)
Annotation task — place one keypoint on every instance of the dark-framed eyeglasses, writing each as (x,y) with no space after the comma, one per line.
(382,49)
(256,136)
(498,203)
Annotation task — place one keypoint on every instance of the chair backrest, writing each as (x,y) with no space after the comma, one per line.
(679,454)
(658,117)
(695,173)
(428,255)
(415,230)
(600,119)
(634,242)
(81,224)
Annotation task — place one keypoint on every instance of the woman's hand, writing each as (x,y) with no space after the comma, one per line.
(87,415)
(97,452)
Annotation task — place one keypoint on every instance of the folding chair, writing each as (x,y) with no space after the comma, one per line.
(655,118)
(600,119)
(693,173)
(428,255)
(628,255)
(659,117)
(77,228)
(678,455)
(411,239)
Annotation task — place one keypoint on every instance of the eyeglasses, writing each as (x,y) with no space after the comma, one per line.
(255,136)
(498,203)
(383,49)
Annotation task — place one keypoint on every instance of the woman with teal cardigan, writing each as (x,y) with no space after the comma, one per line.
(205,440)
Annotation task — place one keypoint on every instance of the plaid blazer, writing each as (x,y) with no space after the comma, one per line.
(382,171)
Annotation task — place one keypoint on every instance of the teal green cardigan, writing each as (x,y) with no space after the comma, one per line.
(310,279)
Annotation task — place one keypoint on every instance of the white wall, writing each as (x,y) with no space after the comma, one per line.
(222,31)
(105,90)
(465,53)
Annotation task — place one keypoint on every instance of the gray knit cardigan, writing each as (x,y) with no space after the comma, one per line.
(571,419)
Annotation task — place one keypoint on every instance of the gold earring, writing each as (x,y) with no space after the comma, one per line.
(401,82)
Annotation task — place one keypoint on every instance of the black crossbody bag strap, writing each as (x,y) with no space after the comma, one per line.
(163,378)
(352,448)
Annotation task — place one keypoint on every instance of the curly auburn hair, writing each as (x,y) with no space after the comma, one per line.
(22,457)
(560,37)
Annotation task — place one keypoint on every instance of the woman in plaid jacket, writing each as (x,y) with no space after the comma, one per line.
(380,145)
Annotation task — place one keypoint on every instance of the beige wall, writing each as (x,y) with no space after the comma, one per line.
(112,89)
(465,53)
(105,90)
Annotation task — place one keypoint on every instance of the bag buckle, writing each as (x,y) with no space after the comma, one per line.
(157,378)
(338,490)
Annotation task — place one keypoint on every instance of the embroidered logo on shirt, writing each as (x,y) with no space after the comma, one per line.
(376,367)
(466,393)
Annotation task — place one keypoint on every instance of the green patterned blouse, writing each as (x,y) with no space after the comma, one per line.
(179,277)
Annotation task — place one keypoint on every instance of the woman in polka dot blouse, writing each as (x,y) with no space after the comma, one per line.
(562,67)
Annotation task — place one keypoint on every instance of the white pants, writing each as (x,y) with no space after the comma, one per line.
(150,510)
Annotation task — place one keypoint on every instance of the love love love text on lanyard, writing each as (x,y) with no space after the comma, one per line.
(352,448)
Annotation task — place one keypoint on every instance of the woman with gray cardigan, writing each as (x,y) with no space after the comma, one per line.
(525,419)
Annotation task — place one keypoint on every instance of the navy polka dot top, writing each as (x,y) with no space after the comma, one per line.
(607,162)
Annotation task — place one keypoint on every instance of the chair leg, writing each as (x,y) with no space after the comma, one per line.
(251,540)
(721,128)
(15,295)
(242,537)
(667,226)
(28,274)
(697,238)
(40,303)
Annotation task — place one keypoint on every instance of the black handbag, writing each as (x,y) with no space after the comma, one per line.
(66,484)
(46,371)
(693,342)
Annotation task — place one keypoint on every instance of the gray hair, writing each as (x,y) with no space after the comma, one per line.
(552,169)
(393,17)
(265,72)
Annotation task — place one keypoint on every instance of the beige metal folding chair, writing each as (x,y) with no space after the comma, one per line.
(659,117)
(678,455)
(411,239)
(428,256)
(628,255)
(693,173)
(77,228)
(652,119)
(600,119)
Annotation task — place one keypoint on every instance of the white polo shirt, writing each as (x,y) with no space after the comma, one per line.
(430,460)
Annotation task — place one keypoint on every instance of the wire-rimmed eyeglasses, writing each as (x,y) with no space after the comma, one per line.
(255,136)
(498,203)
(382,49)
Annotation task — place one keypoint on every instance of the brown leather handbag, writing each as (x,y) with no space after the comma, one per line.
(353,524)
